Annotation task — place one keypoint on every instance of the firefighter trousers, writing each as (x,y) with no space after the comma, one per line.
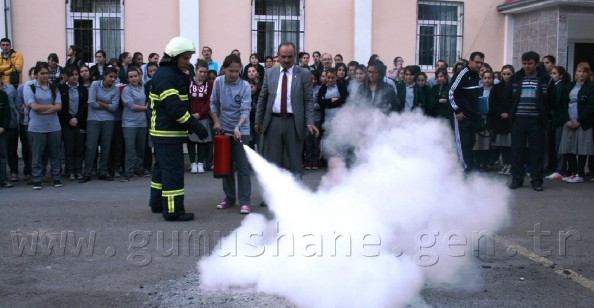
(167,183)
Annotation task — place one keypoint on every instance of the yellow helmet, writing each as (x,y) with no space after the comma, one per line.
(179,45)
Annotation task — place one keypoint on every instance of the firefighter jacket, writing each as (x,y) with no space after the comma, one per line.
(170,118)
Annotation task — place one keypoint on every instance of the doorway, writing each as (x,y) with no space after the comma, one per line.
(584,52)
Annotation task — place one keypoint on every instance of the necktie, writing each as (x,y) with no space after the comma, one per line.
(284,95)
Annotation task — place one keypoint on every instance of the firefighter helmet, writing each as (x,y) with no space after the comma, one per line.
(179,45)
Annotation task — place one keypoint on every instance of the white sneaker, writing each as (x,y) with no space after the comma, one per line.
(502,171)
(554,176)
(194,168)
(567,178)
(575,179)
(200,168)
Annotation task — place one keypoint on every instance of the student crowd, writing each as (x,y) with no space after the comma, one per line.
(93,121)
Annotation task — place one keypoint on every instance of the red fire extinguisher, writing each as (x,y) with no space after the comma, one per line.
(222,156)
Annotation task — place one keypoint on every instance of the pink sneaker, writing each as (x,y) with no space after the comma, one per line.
(245,209)
(224,205)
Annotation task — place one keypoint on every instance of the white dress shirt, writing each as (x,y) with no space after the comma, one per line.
(276,108)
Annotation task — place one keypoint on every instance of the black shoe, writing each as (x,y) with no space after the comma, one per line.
(126,178)
(180,217)
(515,185)
(263,204)
(156,210)
(6,185)
(58,183)
(84,179)
(537,187)
(106,177)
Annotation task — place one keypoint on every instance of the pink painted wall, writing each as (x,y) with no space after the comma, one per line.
(329,27)
(226,25)
(39,30)
(484,31)
(149,25)
(394,30)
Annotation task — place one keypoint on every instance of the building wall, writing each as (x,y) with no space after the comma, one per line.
(329,27)
(394,31)
(143,20)
(226,25)
(538,31)
(484,31)
(39,30)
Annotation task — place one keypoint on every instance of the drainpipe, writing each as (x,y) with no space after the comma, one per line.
(3,18)
(7,16)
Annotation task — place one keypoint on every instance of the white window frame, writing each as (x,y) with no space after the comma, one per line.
(95,17)
(436,24)
(277,20)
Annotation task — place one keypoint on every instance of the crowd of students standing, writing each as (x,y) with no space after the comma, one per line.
(68,113)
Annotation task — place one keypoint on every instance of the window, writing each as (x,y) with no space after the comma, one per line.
(439,32)
(94,25)
(276,21)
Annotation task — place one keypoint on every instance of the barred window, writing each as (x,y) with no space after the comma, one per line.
(439,32)
(276,21)
(94,25)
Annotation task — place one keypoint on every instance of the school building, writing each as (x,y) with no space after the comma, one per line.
(419,31)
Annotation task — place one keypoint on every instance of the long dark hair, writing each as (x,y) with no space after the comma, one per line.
(346,70)
(121,58)
(441,71)
(381,69)
(565,77)
(507,67)
(232,58)
(80,79)
(77,52)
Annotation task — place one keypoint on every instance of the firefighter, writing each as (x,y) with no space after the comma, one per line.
(170,121)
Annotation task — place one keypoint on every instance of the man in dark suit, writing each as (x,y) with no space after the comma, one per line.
(285,110)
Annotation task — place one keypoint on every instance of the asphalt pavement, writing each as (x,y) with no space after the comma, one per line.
(108,249)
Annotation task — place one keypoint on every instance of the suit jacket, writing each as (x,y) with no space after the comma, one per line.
(301,99)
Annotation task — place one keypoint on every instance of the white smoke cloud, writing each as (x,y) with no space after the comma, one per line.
(372,235)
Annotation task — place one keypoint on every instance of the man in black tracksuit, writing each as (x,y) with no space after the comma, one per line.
(464,96)
(532,96)
(170,120)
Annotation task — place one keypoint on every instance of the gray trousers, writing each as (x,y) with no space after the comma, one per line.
(38,142)
(98,133)
(239,164)
(134,140)
(281,139)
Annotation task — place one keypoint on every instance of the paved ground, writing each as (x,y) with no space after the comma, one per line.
(127,265)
